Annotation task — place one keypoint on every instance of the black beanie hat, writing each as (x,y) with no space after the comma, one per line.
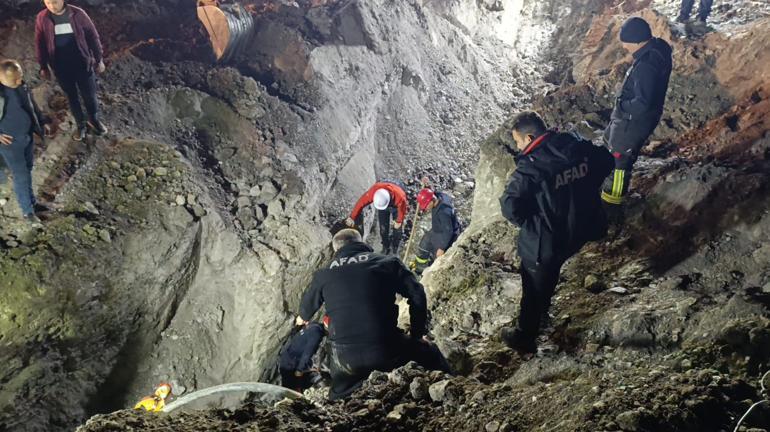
(635,30)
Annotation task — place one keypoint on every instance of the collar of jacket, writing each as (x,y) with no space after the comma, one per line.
(353,249)
(536,143)
(645,49)
(71,10)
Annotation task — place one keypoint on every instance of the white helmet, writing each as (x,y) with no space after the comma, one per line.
(381,199)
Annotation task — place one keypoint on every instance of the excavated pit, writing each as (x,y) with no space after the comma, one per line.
(182,241)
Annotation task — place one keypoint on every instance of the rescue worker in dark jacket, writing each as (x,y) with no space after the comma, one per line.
(553,196)
(359,290)
(67,42)
(638,105)
(296,361)
(20,118)
(445,227)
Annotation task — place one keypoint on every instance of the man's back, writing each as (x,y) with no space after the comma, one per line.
(359,290)
(554,197)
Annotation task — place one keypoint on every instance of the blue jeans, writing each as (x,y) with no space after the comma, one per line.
(3,177)
(704,9)
(18,157)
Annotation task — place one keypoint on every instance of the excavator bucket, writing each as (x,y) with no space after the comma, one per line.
(229,27)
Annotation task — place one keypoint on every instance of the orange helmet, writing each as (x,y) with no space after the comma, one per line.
(424,198)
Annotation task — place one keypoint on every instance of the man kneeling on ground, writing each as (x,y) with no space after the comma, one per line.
(359,289)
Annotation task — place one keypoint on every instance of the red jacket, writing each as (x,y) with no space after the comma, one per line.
(85,34)
(397,198)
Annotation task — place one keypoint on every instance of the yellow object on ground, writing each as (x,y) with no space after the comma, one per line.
(156,402)
(151,403)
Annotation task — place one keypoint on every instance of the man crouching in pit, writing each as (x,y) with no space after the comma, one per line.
(554,197)
(359,291)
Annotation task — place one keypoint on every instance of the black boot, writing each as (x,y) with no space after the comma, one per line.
(98,127)
(616,218)
(517,341)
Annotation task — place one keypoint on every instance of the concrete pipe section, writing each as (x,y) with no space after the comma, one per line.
(230,396)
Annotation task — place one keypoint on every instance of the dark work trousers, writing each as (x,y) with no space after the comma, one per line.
(351,364)
(77,81)
(426,251)
(19,157)
(299,384)
(391,237)
(538,282)
(625,148)
(704,9)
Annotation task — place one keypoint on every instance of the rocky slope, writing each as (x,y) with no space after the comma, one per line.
(664,327)
(180,243)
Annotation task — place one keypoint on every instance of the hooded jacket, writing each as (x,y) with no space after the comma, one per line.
(639,103)
(554,196)
(86,36)
(358,289)
(397,199)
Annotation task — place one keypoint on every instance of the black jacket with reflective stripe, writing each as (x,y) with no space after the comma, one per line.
(554,196)
(639,103)
(359,290)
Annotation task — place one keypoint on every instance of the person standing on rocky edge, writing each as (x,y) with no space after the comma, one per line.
(553,196)
(358,290)
(704,10)
(389,199)
(66,41)
(19,119)
(638,107)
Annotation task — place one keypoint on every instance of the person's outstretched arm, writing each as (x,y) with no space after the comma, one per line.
(311,300)
(362,202)
(414,293)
